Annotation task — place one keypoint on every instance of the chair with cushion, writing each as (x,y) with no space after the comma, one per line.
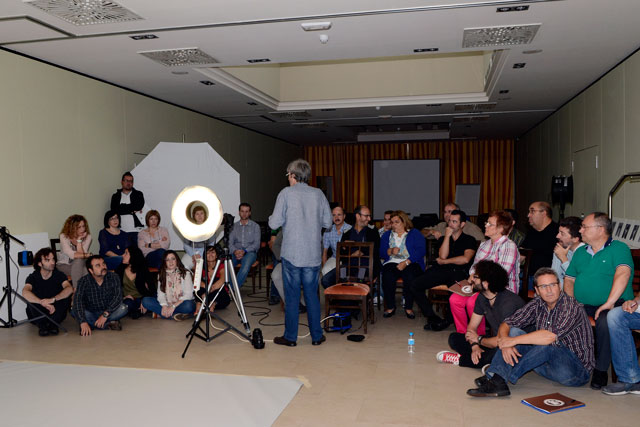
(354,278)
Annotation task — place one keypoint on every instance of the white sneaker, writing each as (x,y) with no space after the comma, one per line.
(375,300)
(446,356)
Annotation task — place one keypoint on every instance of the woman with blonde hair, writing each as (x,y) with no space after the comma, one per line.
(402,250)
(75,240)
(154,240)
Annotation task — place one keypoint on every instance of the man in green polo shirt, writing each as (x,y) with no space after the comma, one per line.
(599,277)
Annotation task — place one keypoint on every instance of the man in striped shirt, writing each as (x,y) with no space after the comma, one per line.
(560,349)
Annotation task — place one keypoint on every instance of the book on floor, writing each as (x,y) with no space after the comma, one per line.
(551,403)
(462,288)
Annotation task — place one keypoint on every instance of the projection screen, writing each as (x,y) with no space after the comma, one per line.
(410,185)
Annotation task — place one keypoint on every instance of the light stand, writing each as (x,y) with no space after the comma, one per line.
(9,291)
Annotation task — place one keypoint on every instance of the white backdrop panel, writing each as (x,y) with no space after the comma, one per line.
(410,185)
(172,166)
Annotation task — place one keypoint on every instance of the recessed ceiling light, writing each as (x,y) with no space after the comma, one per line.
(316,26)
(504,91)
(427,49)
(385,116)
(512,8)
(519,65)
(252,103)
(328,109)
(207,82)
(179,73)
(253,61)
(144,37)
(433,105)
(531,52)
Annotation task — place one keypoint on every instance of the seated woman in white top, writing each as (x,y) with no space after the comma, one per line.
(75,240)
(153,240)
(175,290)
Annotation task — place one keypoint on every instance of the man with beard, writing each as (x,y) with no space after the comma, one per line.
(569,240)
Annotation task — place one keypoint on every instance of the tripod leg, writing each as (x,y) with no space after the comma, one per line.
(235,291)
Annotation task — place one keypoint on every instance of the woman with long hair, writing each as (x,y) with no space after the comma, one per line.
(75,240)
(223,299)
(175,290)
(136,281)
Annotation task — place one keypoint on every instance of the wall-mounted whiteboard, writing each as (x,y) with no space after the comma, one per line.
(468,198)
(409,185)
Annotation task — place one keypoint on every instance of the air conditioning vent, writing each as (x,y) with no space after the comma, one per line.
(179,57)
(290,114)
(310,125)
(86,12)
(476,107)
(499,36)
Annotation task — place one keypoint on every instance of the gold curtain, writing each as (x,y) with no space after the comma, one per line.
(489,163)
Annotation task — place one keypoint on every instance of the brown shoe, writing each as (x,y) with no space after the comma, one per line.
(115,325)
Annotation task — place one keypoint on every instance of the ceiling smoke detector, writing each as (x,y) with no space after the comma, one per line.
(316,26)
(86,12)
(179,57)
(499,36)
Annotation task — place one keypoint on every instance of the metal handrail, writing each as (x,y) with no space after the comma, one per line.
(615,188)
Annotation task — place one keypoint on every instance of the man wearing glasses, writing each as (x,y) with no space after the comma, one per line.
(541,237)
(599,277)
(560,349)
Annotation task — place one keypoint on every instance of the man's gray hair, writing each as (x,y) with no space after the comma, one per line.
(543,271)
(300,169)
(603,220)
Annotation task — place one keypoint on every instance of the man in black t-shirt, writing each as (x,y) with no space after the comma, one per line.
(49,291)
(455,257)
(495,303)
(541,237)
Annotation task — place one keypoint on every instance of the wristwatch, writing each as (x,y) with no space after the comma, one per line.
(105,315)
(480,339)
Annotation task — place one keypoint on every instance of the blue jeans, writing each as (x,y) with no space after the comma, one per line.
(623,349)
(555,363)
(91,317)
(245,265)
(307,279)
(329,279)
(152,304)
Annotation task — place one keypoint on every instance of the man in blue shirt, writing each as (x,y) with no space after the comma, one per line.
(244,242)
(302,212)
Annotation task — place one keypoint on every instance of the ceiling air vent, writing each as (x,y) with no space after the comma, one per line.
(86,12)
(466,119)
(498,36)
(178,57)
(475,107)
(290,114)
(310,125)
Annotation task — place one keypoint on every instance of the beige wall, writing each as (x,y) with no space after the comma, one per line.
(603,121)
(66,140)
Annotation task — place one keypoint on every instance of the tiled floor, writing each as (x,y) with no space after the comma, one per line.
(375,382)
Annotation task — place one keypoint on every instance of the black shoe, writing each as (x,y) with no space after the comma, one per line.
(427,326)
(494,387)
(302,308)
(53,330)
(481,381)
(43,332)
(439,325)
(284,341)
(389,314)
(135,314)
(274,300)
(599,379)
(410,315)
(114,325)
(320,341)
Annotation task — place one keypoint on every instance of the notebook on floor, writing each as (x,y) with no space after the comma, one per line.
(551,403)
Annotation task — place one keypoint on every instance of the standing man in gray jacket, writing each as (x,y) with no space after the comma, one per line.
(302,211)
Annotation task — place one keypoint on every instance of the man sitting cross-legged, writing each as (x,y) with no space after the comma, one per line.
(560,349)
(495,303)
(452,265)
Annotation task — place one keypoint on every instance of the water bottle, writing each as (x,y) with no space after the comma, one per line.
(411,343)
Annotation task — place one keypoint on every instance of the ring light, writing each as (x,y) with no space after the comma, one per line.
(182,213)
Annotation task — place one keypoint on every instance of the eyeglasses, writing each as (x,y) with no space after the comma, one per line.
(535,210)
(547,286)
(590,226)
(366,216)
(287,174)
(488,224)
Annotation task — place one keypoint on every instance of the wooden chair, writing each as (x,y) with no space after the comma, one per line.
(351,291)
(254,271)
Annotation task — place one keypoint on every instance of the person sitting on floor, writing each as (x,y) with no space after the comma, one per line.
(97,303)
(136,281)
(154,240)
(559,349)
(495,303)
(452,265)
(175,290)
(113,241)
(48,290)
(223,299)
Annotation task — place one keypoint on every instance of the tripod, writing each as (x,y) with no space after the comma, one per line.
(205,313)
(9,291)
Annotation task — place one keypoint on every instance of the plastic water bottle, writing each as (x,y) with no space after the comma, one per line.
(411,343)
